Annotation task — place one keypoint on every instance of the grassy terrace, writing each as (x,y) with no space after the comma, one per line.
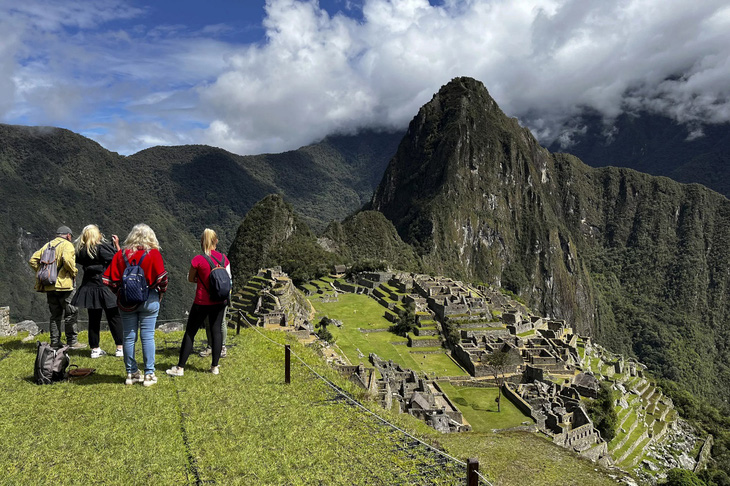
(633,437)
(630,419)
(241,427)
(636,454)
(480,409)
(361,313)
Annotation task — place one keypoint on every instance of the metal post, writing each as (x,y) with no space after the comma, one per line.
(287,364)
(472,467)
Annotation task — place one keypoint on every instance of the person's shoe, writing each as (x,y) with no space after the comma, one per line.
(133,378)
(223,352)
(175,371)
(215,370)
(56,345)
(206,352)
(119,353)
(97,353)
(150,380)
(77,345)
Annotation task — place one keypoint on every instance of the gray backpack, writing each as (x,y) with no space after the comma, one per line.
(50,364)
(48,270)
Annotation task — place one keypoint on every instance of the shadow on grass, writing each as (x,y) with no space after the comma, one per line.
(93,379)
(30,346)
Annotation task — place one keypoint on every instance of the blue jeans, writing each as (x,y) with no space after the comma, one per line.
(143,318)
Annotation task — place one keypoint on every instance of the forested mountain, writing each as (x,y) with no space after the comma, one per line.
(641,263)
(656,145)
(51,176)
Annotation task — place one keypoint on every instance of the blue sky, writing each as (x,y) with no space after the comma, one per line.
(268,76)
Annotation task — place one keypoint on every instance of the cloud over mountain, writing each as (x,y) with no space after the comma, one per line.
(112,76)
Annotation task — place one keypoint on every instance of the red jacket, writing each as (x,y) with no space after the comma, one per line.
(153,266)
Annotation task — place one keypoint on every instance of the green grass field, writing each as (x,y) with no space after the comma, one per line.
(480,409)
(244,426)
(362,312)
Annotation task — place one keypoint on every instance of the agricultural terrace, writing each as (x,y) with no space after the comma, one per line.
(364,331)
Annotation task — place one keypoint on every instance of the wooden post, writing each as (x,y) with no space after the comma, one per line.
(238,323)
(287,364)
(472,467)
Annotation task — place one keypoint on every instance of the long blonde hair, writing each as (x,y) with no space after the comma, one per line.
(141,235)
(90,237)
(208,240)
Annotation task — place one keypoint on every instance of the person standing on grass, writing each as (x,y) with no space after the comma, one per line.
(224,337)
(140,248)
(200,269)
(60,293)
(94,254)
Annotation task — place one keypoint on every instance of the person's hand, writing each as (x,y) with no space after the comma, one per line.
(115,240)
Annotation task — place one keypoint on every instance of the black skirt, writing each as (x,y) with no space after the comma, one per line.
(94,297)
(92,293)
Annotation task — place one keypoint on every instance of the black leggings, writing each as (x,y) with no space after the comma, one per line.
(112,318)
(196,320)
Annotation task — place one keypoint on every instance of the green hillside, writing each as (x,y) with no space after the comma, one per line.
(50,176)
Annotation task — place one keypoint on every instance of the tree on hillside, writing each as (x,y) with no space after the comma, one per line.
(499,363)
(324,333)
(406,321)
(603,413)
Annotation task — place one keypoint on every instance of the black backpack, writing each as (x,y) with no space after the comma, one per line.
(219,283)
(48,270)
(135,288)
(50,364)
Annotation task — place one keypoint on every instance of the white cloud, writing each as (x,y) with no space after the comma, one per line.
(542,60)
(314,74)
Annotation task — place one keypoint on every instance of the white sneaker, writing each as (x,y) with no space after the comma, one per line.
(119,353)
(215,370)
(150,380)
(133,378)
(223,352)
(175,371)
(97,353)
(206,352)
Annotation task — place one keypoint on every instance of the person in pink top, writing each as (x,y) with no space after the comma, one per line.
(203,306)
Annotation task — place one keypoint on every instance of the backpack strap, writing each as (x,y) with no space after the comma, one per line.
(210,262)
(126,260)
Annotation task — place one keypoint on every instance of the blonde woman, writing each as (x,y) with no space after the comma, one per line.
(94,254)
(140,248)
(203,305)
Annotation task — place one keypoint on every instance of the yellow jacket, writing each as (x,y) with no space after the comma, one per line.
(65,260)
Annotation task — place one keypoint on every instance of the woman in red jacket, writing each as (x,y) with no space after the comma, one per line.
(140,248)
(203,305)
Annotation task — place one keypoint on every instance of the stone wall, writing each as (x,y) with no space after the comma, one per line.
(463,357)
(516,400)
(597,452)
(423,343)
(4,321)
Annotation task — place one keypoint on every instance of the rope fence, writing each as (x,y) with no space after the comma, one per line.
(470,468)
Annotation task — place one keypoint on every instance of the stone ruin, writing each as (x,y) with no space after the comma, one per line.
(553,349)
(4,321)
(417,396)
(559,413)
(273,303)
